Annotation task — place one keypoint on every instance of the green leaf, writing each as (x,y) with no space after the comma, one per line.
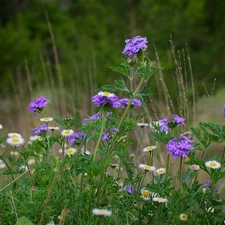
(23,221)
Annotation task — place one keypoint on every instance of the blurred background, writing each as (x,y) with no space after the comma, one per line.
(64,50)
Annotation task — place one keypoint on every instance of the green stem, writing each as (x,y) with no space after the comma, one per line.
(180,175)
(100,136)
(167,165)
(222,157)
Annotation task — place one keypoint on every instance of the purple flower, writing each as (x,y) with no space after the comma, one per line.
(115,130)
(179,146)
(224,110)
(134,45)
(124,102)
(179,120)
(106,99)
(130,189)
(38,104)
(39,129)
(163,125)
(76,137)
(105,136)
(96,116)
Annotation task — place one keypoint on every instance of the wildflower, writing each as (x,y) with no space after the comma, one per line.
(163,125)
(159,200)
(1,126)
(183,217)
(15,141)
(46,119)
(76,137)
(106,99)
(210,209)
(52,128)
(51,223)
(147,167)
(142,125)
(67,133)
(36,137)
(134,45)
(102,212)
(125,101)
(15,153)
(38,104)
(114,165)
(179,146)
(96,116)
(14,135)
(31,162)
(224,110)
(195,167)
(130,189)
(2,164)
(70,151)
(149,148)
(178,120)
(160,171)
(213,164)
(105,136)
(145,194)
(39,129)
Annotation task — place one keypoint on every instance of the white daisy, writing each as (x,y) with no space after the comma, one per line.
(14,135)
(147,167)
(36,137)
(145,194)
(15,141)
(183,217)
(67,133)
(159,200)
(52,128)
(1,126)
(160,171)
(70,151)
(213,164)
(106,94)
(149,148)
(46,119)
(142,125)
(102,212)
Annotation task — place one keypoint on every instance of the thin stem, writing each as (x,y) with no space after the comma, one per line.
(167,165)
(180,175)
(100,136)
(222,157)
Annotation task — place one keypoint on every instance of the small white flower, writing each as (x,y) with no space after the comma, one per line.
(46,119)
(2,164)
(14,135)
(145,194)
(155,124)
(183,217)
(195,167)
(67,133)
(159,200)
(114,165)
(52,128)
(15,153)
(147,167)
(160,171)
(106,94)
(142,125)
(210,209)
(102,212)
(31,162)
(70,151)
(213,164)
(149,148)
(15,141)
(1,126)
(36,137)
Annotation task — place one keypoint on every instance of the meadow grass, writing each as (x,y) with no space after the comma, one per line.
(153,164)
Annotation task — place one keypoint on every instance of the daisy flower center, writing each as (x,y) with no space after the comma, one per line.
(15,140)
(145,194)
(213,164)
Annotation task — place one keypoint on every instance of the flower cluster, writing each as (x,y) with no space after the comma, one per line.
(179,146)
(76,137)
(38,104)
(134,45)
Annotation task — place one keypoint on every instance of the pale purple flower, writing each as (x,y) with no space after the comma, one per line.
(105,136)
(224,110)
(96,116)
(179,146)
(38,104)
(124,102)
(163,125)
(106,99)
(76,137)
(115,130)
(179,120)
(37,130)
(130,189)
(134,45)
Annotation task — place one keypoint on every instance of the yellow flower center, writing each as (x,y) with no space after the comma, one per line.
(145,194)
(149,148)
(67,132)
(70,152)
(147,167)
(106,93)
(15,140)
(213,164)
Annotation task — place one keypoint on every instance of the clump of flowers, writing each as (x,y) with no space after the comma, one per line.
(179,146)
(125,101)
(38,104)
(76,137)
(135,45)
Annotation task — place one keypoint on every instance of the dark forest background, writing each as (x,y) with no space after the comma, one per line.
(81,38)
